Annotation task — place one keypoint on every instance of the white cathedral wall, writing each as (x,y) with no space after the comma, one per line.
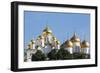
(54,43)
(85,50)
(37,42)
(71,50)
(49,38)
(33,46)
(76,49)
(58,47)
(47,49)
(41,42)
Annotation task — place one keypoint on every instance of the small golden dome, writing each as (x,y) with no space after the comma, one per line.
(40,37)
(58,42)
(47,30)
(54,38)
(30,45)
(69,44)
(32,41)
(75,38)
(85,44)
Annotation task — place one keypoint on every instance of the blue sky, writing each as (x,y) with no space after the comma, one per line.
(63,25)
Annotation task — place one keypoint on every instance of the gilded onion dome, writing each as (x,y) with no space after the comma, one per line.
(30,45)
(85,44)
(47,30)
(75,38)
(40,37)
(69,44)
(53,38)
(32,41)
(58,42)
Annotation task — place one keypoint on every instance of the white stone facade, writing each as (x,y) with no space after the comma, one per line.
(74,45)
(45,42)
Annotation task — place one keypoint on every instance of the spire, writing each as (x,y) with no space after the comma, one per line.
(46,25)
(84,37)
(75,38)
(74,34)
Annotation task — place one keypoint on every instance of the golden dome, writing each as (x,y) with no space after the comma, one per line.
(47,30)
(32,41)
(75,38)
(58,42)
(54,38)
(85,44)
(69,44)
(30,45)
(40,37)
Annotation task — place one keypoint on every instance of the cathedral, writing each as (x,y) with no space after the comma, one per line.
(46,42)
(75,45)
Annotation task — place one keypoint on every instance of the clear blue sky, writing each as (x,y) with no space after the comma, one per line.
(63,25)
